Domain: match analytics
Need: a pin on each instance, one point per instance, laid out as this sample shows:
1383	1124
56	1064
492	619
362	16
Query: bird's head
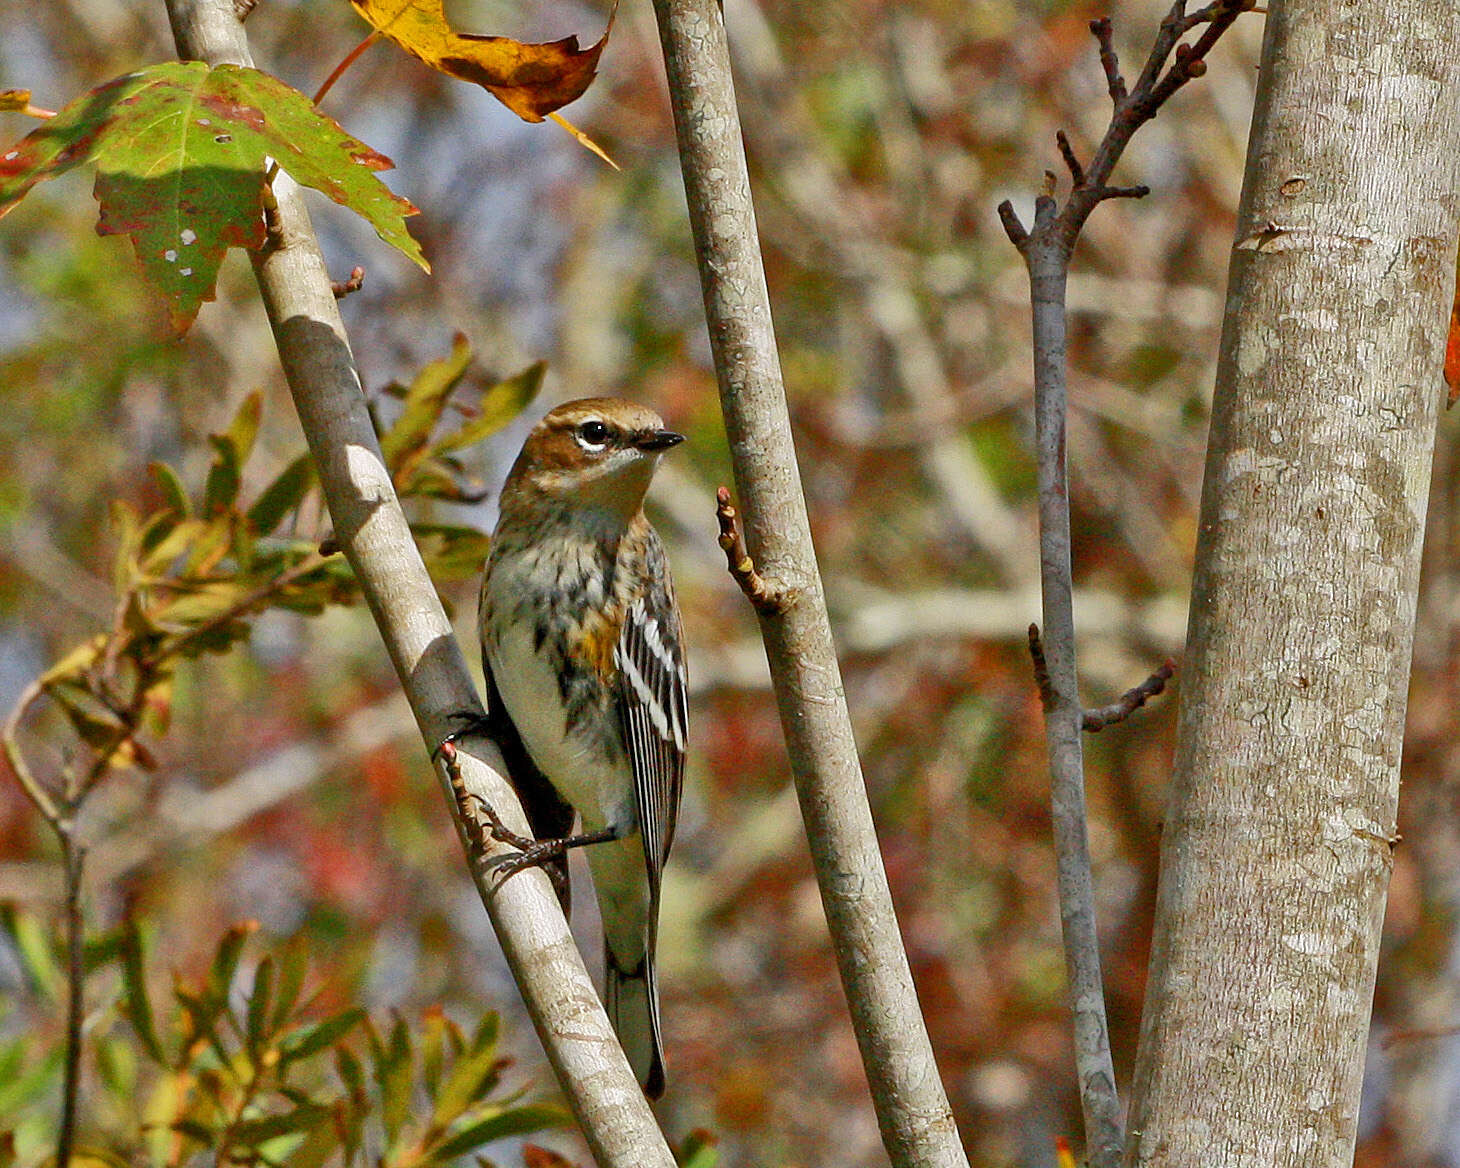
599	452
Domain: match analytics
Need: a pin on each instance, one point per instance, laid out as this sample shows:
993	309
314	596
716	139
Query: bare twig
1130	701
767	598
34	790
59	812
1108	60
1041	667
353	283
1046	248
1093	721
1067	152
73	857
912	1109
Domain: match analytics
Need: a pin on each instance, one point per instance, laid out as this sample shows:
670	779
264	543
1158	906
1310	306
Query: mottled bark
1280	830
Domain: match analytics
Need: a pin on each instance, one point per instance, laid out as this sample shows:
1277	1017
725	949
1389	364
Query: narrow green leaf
282	495
256	1021
470	1080
39	1078
224	476
75	662
350	1072
393	1074
95	723
293	965
135	1002
199	604
174	494
12	1056
516	1121
316	1148
425	477
249	1133
500	404
34	946
128	526
158	558
433	1050
243	431
116	1067
424	402
308	1040
200	1016
195	1130
225	961
487	1033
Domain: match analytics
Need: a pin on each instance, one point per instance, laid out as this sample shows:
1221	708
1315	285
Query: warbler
586	682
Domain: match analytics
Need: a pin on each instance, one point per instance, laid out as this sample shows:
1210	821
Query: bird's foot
532	853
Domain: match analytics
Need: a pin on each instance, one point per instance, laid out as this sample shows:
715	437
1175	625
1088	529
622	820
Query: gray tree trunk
1277	848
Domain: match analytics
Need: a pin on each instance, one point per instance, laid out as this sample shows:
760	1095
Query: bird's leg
534	852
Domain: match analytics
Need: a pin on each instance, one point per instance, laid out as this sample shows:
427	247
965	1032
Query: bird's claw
472	722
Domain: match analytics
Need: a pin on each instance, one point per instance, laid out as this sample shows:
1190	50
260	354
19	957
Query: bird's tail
631	998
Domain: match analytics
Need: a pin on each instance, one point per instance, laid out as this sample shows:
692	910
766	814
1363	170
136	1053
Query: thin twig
1041	667
767	598
72	859
1093	721
1067	152
1046	248
1129	702
10	737
1108	59
355	281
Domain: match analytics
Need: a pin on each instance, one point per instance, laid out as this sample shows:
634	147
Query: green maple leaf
180	151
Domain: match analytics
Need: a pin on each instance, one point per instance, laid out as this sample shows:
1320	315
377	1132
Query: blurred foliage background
292	789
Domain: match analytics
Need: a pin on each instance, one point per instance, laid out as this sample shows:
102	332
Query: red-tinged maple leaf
181	152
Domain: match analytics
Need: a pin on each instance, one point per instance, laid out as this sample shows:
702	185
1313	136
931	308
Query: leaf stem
350	58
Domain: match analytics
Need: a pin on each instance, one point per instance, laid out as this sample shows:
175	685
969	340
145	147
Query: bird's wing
549	815
653	701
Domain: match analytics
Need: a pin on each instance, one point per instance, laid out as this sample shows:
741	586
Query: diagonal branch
372	531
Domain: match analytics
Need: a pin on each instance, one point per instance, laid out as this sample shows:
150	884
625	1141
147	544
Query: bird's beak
656	440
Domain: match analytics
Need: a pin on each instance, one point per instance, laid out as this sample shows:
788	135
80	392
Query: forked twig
1046	246
1094	720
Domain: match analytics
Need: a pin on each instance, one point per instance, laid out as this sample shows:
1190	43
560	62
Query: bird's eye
593	433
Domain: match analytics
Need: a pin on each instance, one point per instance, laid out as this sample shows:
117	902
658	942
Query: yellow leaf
532	80
14	100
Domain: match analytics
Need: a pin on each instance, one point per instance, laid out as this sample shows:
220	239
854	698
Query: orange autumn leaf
532	80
